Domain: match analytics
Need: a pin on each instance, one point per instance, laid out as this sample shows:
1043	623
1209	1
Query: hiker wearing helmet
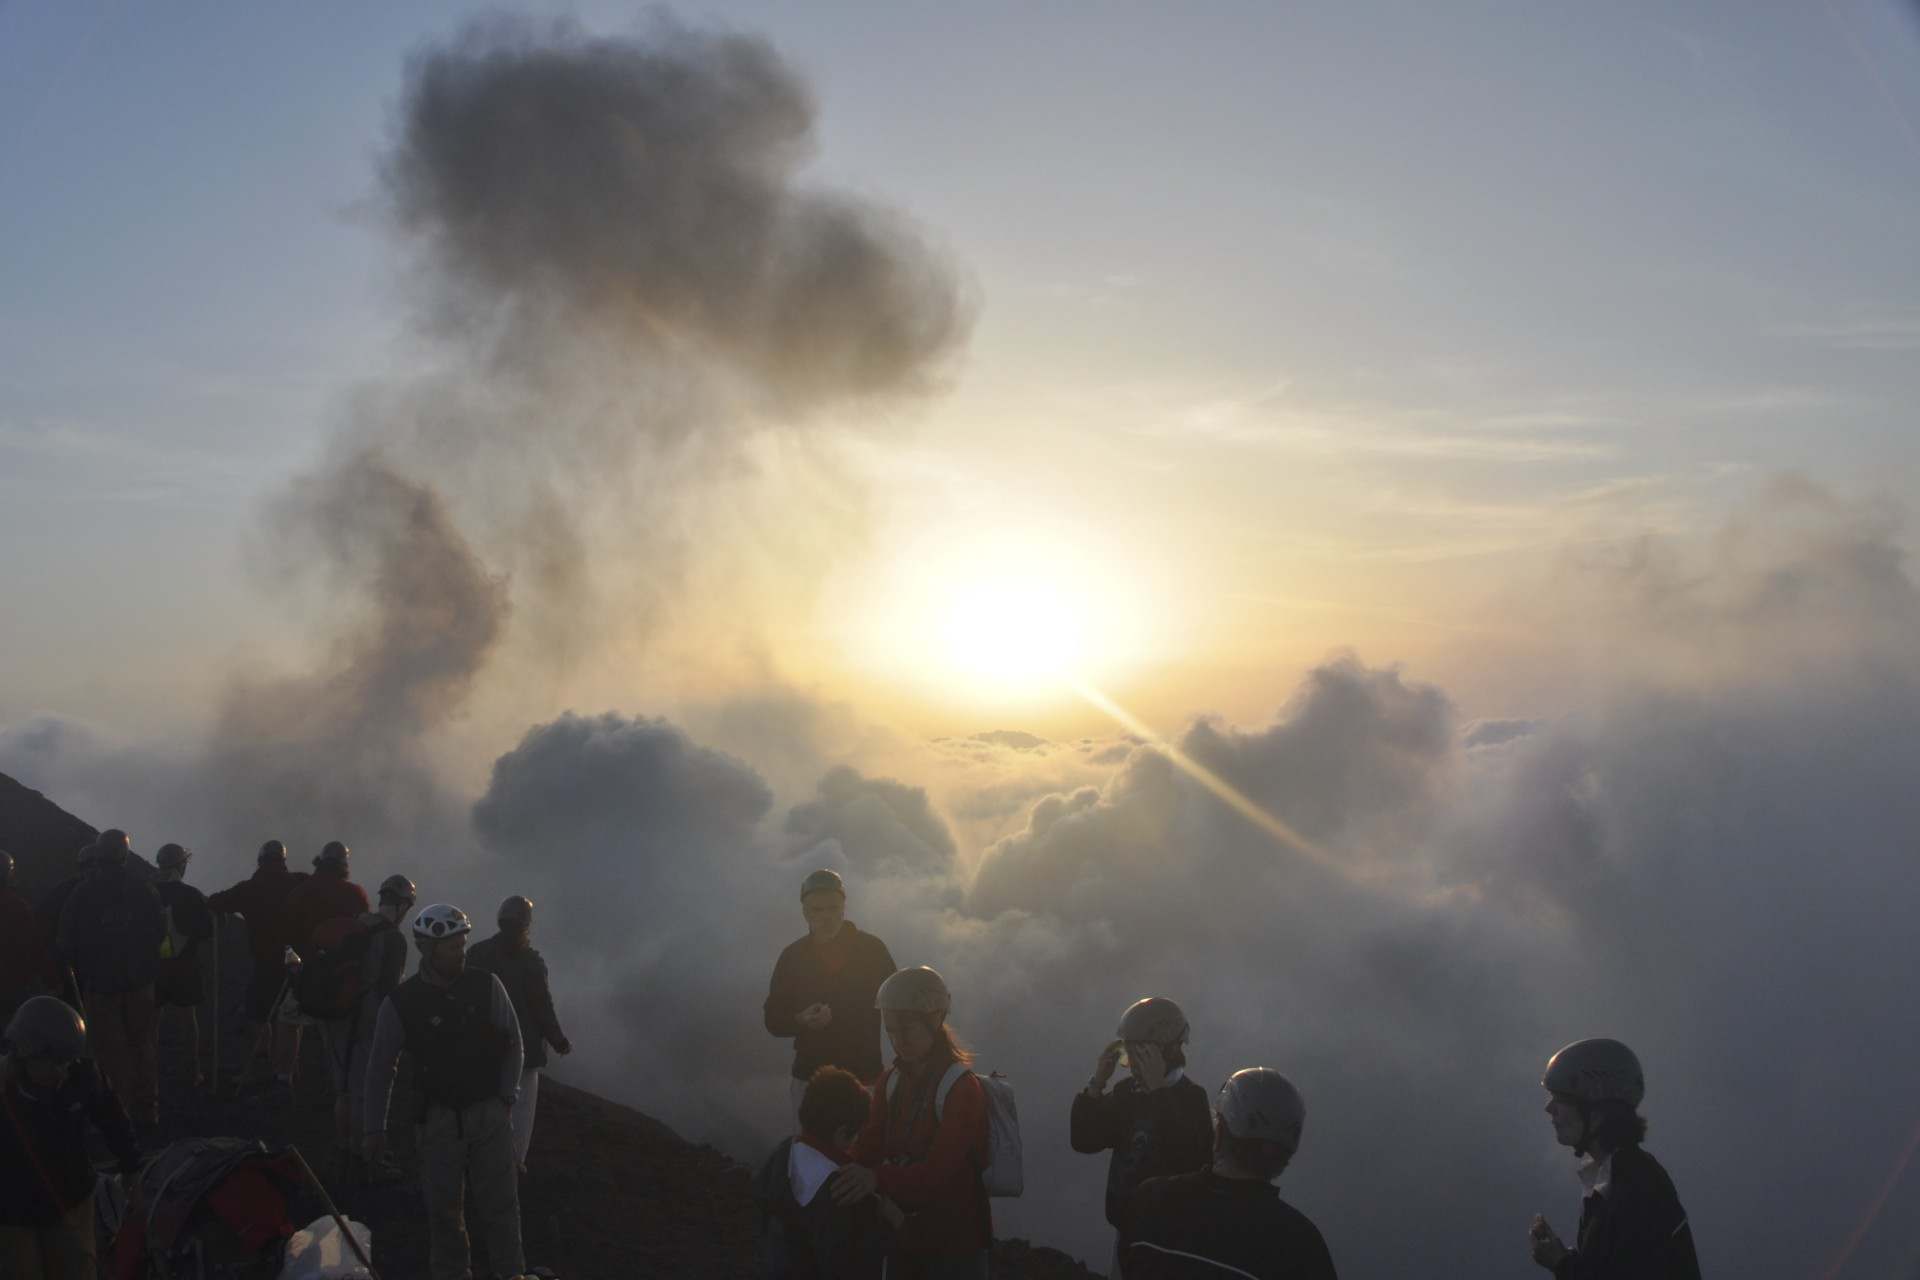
1156	1122
189	922
322	913
110	931
261	900
1631	1221
49	1092
371	956
509	956
920	1150
823	988
26	951
1228	1219
804	1234
456	1024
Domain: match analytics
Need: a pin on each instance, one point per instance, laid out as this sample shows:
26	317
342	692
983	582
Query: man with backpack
111	928
49	1092
1156	1122
456	1024
322	914
509	956
823	987
261	900
189	922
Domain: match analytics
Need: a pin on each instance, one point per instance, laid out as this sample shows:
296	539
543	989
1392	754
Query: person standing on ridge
1157	1123
1228	1219
261	899
1632	1226
509	956
189	922
924	1145
26	947
822	993
457	1026
380	954
49	1091
320	913
110	931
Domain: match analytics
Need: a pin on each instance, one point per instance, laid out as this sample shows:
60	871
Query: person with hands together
823	989
1157	1122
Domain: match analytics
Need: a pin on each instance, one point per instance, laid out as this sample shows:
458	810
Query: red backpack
333	973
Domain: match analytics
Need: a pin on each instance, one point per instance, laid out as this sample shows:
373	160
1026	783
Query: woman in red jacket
926	1138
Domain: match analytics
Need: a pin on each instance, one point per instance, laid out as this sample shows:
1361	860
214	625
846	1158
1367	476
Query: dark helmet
108	848
1591	1071
334	852
516	913
1155	1020
171	856
822	881
6	869
45	1027
397	888
272	851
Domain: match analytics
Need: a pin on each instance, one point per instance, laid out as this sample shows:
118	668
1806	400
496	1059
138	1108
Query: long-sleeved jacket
49	1172
390	1038
110	931
1634	1230
1201	1226
930	1166
26	951
322	896
262	899
523	972
819	1240
1152	1134
844	975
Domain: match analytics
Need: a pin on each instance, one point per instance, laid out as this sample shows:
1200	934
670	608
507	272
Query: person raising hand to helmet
922	1150
1156	1123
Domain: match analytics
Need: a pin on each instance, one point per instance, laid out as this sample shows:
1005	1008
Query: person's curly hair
835	1100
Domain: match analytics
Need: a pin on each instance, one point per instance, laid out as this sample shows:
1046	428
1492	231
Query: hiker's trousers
58	1250
523	1109
470	1151
121	1031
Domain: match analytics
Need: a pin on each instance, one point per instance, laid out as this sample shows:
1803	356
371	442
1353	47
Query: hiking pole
353	1242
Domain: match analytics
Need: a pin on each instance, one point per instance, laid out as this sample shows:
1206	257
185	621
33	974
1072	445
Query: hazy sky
380	460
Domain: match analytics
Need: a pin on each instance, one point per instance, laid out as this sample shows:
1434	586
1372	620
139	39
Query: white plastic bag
321	1253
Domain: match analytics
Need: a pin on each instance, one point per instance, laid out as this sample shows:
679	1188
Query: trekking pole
353	1241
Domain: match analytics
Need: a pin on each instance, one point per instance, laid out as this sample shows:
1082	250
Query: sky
1386	520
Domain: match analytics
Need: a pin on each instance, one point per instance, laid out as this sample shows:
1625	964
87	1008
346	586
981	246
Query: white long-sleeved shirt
390	1038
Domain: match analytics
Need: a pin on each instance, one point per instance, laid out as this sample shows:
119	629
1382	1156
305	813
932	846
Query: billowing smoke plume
628	278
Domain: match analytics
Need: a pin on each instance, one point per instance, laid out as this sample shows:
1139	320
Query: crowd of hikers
890	1172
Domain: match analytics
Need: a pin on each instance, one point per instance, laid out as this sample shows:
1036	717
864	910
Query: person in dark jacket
1228	1219
1156	1123
110	931
329	894
823	988
189	922
26	946
385	965
49	1092
1632	1226
804	1234
261	900
509	956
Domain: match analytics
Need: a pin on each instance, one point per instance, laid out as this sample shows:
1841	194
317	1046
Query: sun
1007	617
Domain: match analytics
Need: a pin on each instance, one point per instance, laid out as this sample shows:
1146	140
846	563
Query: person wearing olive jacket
509	956
823	989
1156	1123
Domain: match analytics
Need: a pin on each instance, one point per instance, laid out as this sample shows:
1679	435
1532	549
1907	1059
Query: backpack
1003	1175
175	943
334	976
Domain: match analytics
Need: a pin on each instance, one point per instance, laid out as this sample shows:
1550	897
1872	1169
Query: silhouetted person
189	922
49	1092
1157	1122
509	956
384	967
110	931
329	897
804	1234
457	1026
261	899
1228	1219
26	946
1632	1226
823	988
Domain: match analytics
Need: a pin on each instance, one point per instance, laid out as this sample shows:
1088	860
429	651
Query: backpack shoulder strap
947	1081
